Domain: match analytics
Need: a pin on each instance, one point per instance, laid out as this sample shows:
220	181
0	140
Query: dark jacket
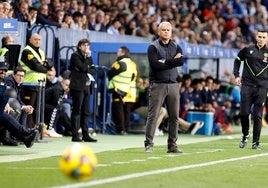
255	70
79	67
18	88
164	72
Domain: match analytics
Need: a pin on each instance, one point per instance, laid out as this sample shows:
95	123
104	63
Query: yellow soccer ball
78	162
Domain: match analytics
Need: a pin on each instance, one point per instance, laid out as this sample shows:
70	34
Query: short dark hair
19	69
125	50
82	41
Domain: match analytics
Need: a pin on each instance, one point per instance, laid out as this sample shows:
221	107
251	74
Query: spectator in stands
122	85
77	23
2	15
185	95
144	31
58	16
32	17
253	87
44	18
34	61
232	94
131	28
82	68
21	11
97	21
113	28
163	85
7	9
68	19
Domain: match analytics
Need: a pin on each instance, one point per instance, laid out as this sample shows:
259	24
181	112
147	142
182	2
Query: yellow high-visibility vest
31	76
132	92
121	82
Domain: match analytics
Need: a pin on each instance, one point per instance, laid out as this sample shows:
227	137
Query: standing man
164	57
34	61
254	84
82	69
122	85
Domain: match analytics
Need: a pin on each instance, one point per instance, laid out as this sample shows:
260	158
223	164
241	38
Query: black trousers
120	113
30	98
61	118
80	112
252	102
9	123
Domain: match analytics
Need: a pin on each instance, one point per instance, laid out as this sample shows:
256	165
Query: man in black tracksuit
164	57
254	84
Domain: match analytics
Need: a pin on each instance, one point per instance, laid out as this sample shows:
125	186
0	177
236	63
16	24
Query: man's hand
28	109
8	109
178	55
238	81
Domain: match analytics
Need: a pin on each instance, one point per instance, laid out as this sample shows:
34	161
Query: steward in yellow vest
122	85
33	60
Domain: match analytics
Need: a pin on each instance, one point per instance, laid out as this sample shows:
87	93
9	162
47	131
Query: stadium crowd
231	24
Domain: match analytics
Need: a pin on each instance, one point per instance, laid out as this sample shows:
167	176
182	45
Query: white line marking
142	174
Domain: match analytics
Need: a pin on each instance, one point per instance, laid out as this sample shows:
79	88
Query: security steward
121	75
254	84
34	61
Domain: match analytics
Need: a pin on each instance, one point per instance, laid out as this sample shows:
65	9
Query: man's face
35	40
65	85
18	77
261	39
84	46
165	31
51	75
120	52
2	73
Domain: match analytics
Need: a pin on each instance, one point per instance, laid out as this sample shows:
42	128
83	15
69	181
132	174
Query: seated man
8	122
15	81
54	114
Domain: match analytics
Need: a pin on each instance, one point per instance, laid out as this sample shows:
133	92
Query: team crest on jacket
265	59
30	56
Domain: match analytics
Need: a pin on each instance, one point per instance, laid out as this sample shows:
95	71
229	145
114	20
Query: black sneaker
89	139
29	139
256	146
174	150
243	142
76	139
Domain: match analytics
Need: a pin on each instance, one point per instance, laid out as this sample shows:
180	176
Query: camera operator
34	61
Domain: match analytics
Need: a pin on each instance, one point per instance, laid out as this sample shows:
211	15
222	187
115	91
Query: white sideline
142	174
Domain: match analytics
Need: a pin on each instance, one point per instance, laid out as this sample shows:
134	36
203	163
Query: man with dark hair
254	85
8	122
15	81
82	68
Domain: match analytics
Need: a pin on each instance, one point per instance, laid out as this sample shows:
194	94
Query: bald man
34	61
